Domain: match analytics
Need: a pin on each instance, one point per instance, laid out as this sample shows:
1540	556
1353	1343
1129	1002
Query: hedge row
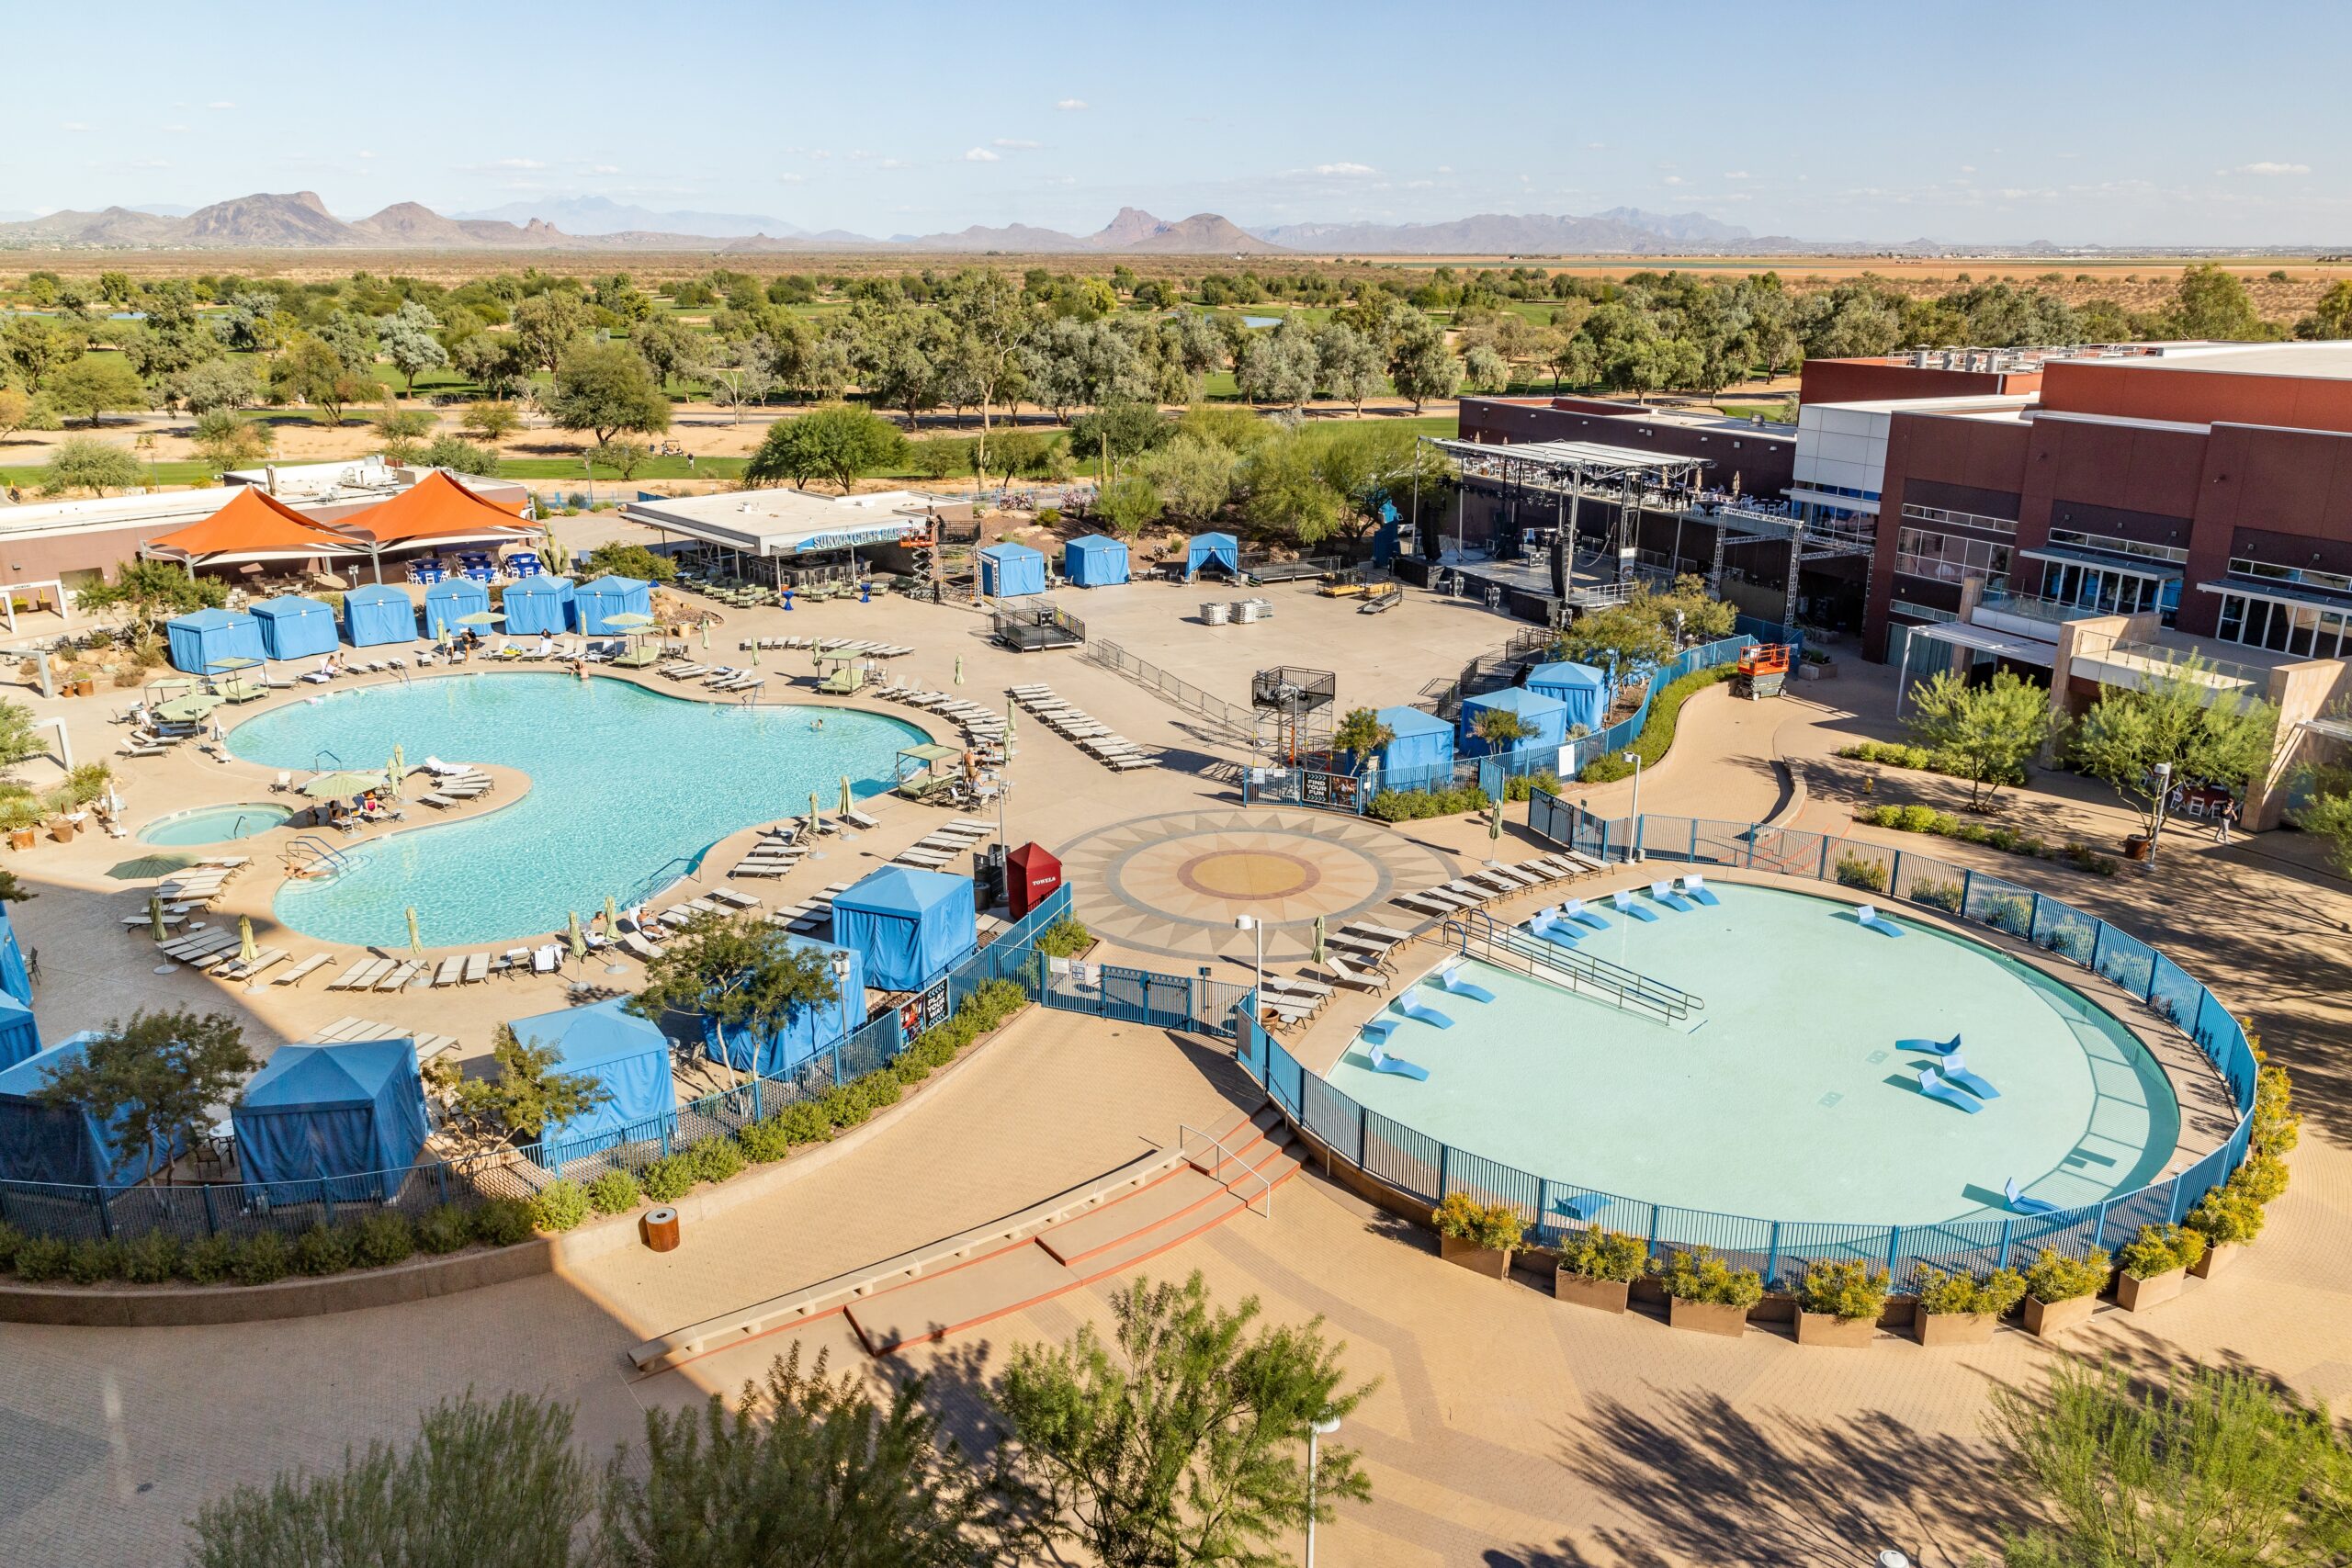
154	1258
1657	730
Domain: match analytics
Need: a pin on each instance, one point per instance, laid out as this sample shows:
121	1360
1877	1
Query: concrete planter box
1935	1328
2134	1294
2046	1318
1707	1317
1601	1295
1493	1262
1828	1328
2216	1259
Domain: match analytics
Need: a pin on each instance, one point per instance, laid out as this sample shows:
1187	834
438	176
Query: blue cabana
909	926
808	1030
447	600
1011	572
15	975
1094	562
1547	716
295	627
200	641
1582	689
19	1035
538	605
1212	550
594	603
628	1058
377	614
61	1144
1422	752
316	1112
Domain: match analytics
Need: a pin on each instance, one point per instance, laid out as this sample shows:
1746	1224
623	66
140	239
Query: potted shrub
2061	1291
20	819
1838	1304
2227	1219
2155	1263
1707	1295
1961	1309
1598	1270
1478	1237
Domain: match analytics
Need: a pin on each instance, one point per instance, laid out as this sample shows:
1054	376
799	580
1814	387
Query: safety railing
1241	722
1477	935
1186	1133
1426	1169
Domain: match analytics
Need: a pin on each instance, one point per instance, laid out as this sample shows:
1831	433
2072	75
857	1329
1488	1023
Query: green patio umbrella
1007	726
576	939
849	801
481	618
145	866
629	620
344	782
247	949
155	916
189	709
1318	938
415	942
959	669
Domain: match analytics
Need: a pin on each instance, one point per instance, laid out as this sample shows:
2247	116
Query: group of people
363	810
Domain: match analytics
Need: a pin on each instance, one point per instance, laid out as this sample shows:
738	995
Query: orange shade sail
435	507
253	524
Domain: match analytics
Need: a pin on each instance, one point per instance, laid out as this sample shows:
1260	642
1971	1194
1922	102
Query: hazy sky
2066	119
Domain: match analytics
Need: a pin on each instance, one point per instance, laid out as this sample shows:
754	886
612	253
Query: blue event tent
909	926
626	1056
295	627
1547	716
1212	550
1011	572
593	603
538	605
200	641
318	1111
1583	689
1422	752
809	1029
1094	562
61	1144
377	614
16	976
447	600
19	1035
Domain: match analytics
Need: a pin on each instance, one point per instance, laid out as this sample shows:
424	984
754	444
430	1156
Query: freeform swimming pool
1790	1101
627	787
214	824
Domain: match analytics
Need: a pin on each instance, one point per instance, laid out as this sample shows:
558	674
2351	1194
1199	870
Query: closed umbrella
415	941
706	636
1318	938
400	761
959	669
246	951
1007	726
155	915
577	940
755	653
813	812
612	920
849	801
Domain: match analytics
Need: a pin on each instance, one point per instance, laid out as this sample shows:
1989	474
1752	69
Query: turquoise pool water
214	824
1789	1101
628	786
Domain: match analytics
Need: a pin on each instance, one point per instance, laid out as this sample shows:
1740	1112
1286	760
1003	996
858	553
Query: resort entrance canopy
1564	473
253	526
436	510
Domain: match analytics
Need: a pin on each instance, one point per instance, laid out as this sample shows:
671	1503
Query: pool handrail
1626	990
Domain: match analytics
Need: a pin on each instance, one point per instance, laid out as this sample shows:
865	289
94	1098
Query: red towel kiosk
1031	875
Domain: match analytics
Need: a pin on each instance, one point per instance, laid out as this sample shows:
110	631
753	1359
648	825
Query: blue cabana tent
321	1111
593	602
1549	716
808	1030
1011	572
450	598
1212	550
1421	753
295	627
909	926
61	1142
19	1035
538	605
200	641
1095	562
1582	689
377	614
628	1058
15	975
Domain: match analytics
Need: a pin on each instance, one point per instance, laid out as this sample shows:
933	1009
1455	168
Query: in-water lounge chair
1868	917
1382	1062
1956	1071
1934	1047
2025	1203
1411	1006
1574	909
1932	1085
1623	900
1696	887
1455	981
1665	893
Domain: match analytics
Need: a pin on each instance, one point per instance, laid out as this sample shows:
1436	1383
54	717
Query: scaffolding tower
1566	475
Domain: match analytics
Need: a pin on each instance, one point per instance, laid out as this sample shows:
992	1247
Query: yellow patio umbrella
959	669
576	939
849	801
415	941
706	636
612	920
246	951
813	813
1008	725
755	653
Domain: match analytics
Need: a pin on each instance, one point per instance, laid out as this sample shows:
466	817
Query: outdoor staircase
1101	1229
1493	671
1237	724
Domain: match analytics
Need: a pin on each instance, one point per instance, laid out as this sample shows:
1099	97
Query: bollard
661	1228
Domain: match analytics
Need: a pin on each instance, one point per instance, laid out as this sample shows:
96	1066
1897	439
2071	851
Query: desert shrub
94	1262
2160	1248
1859	870
669	1178
1848	1289
1700	1275
715	1159
2262	1178
765	1140
151	1258
2055	1277
502	1221
614	1192
209	1259
322	1249
1941	1293
804	1123
560	1206
383	1240
1915	818
1657	730
261	1258
1064	939
1944	896
42	1258
2224	1217
1413	805
1606	1254
1524	786
444	1228
2276	1128
2011	912
1464	1218
11	1238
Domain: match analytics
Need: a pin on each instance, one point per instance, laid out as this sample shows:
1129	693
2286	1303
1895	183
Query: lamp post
2164	798
1252	924
1634	841
1316	1432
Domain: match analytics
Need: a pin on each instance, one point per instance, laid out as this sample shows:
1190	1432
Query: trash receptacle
661	1228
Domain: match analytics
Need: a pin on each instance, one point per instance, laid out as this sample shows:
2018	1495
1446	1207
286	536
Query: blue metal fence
1426	1169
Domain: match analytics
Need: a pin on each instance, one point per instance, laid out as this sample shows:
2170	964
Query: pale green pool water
1790	1102
214	824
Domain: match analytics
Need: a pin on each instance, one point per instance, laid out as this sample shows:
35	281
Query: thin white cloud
1015	145
1736	174
2267	167
74	125
1674	180
1968	168
603	168
791	179
221	104
176	129
982	155
1073	105
894	164
518	163
1344	169
1061	179
364	152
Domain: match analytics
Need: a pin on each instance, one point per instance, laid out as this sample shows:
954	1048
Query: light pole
1634	841
1252	924
1316	1432
2164	798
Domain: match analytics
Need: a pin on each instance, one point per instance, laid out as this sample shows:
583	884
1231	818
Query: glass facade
2109	591
1948	557
2305	630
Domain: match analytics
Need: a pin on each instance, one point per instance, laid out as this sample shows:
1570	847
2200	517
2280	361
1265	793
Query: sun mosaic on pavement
1174	885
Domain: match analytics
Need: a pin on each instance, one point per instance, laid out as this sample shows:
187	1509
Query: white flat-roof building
783	523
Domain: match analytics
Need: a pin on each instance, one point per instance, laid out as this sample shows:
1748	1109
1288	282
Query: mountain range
300	221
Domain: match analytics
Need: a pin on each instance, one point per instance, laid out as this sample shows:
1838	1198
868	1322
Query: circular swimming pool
627	788
215	824
1790	1094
